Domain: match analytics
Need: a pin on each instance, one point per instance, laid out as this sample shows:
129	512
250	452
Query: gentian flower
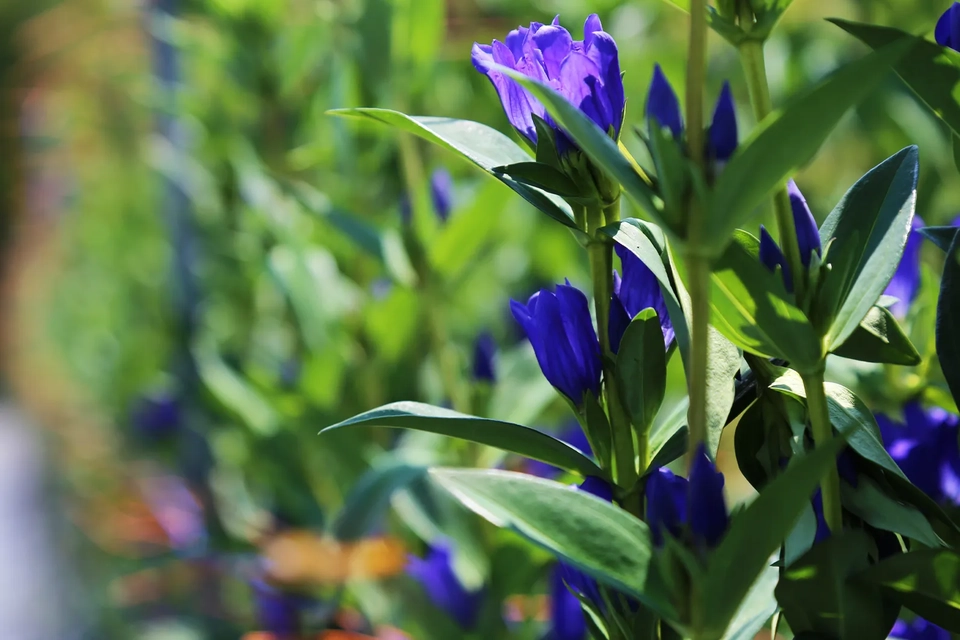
724	138
567	619
573	435
636	291
158	415
586	72
436	575
484	351
441	193
808	238
905	283
695	505
948	28
278	612
918	629
561	332
663	106
925	446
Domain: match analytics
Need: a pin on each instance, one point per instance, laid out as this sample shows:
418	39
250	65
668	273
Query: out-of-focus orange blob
521	608
303	557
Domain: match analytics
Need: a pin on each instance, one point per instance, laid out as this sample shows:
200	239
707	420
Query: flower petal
663	107
554	43
808	236
603	51
947	32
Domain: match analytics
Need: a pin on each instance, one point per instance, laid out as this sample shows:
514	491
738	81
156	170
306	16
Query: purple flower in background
905	283
567	619
484	352
406	210
925	447
695	503
441	192
724	136
561	332
918	629
573	435
158	415
808	238
436	575
639	289
278	612
948	28
586	72
663	106
178	512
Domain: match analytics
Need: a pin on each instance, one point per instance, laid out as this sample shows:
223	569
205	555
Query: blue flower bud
666	497
639	289
561	332
484	351
663	107
441	192
771	257
586	72
723	131
948	28
707	510
439	581
808	236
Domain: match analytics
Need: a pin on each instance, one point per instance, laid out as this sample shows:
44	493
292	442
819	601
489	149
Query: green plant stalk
754	68
600	252
698	269
822	432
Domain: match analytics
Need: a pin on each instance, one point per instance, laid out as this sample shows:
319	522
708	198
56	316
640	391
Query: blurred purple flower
586	72
436	575
484	354
905	283
567	619
724	136
278	612
441	192
948	28
157	415
561	332
918	629
639	289
925	446
178	512
696	504
808	237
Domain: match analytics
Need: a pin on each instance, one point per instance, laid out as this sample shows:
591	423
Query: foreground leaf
948	319
494	433
879	338
597	537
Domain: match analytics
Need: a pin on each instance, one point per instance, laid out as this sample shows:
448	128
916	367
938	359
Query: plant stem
698	269
822	432
696	76
600	252
754	68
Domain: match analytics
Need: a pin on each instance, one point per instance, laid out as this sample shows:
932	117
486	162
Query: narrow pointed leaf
879	338
948	319
642	369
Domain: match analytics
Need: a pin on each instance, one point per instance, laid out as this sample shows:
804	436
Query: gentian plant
835	547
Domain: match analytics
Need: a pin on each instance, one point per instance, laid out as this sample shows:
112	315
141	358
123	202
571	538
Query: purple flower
808	237
636	291
441	192
918	629
573	435
948	28
158	415
586	72
435	574
905	283
925	446
178	512
484	352
278	612
695	505
563	338
567	619
663	107
724	136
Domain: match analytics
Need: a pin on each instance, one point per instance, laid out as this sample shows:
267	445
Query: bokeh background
201	269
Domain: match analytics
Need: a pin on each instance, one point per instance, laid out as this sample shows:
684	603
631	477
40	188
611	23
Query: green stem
823	432
754	67
699	272
600	252
696	76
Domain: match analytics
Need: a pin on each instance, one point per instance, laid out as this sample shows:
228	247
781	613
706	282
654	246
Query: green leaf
879	338
756	533
642	369
926	581
751	307
494	433
594	142
931	71
948	319
465	235
540	176
232	391
485	147
595	536
869	503
669	449
787	140
818	596
940	236
370	497
869	228
756	609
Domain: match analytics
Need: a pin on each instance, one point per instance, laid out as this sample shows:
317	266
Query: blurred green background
201	269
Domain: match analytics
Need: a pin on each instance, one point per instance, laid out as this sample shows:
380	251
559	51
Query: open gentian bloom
637	290
484	352
443	587
918	629
948	28
563	338
925	447
694	504
808	238
586	72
